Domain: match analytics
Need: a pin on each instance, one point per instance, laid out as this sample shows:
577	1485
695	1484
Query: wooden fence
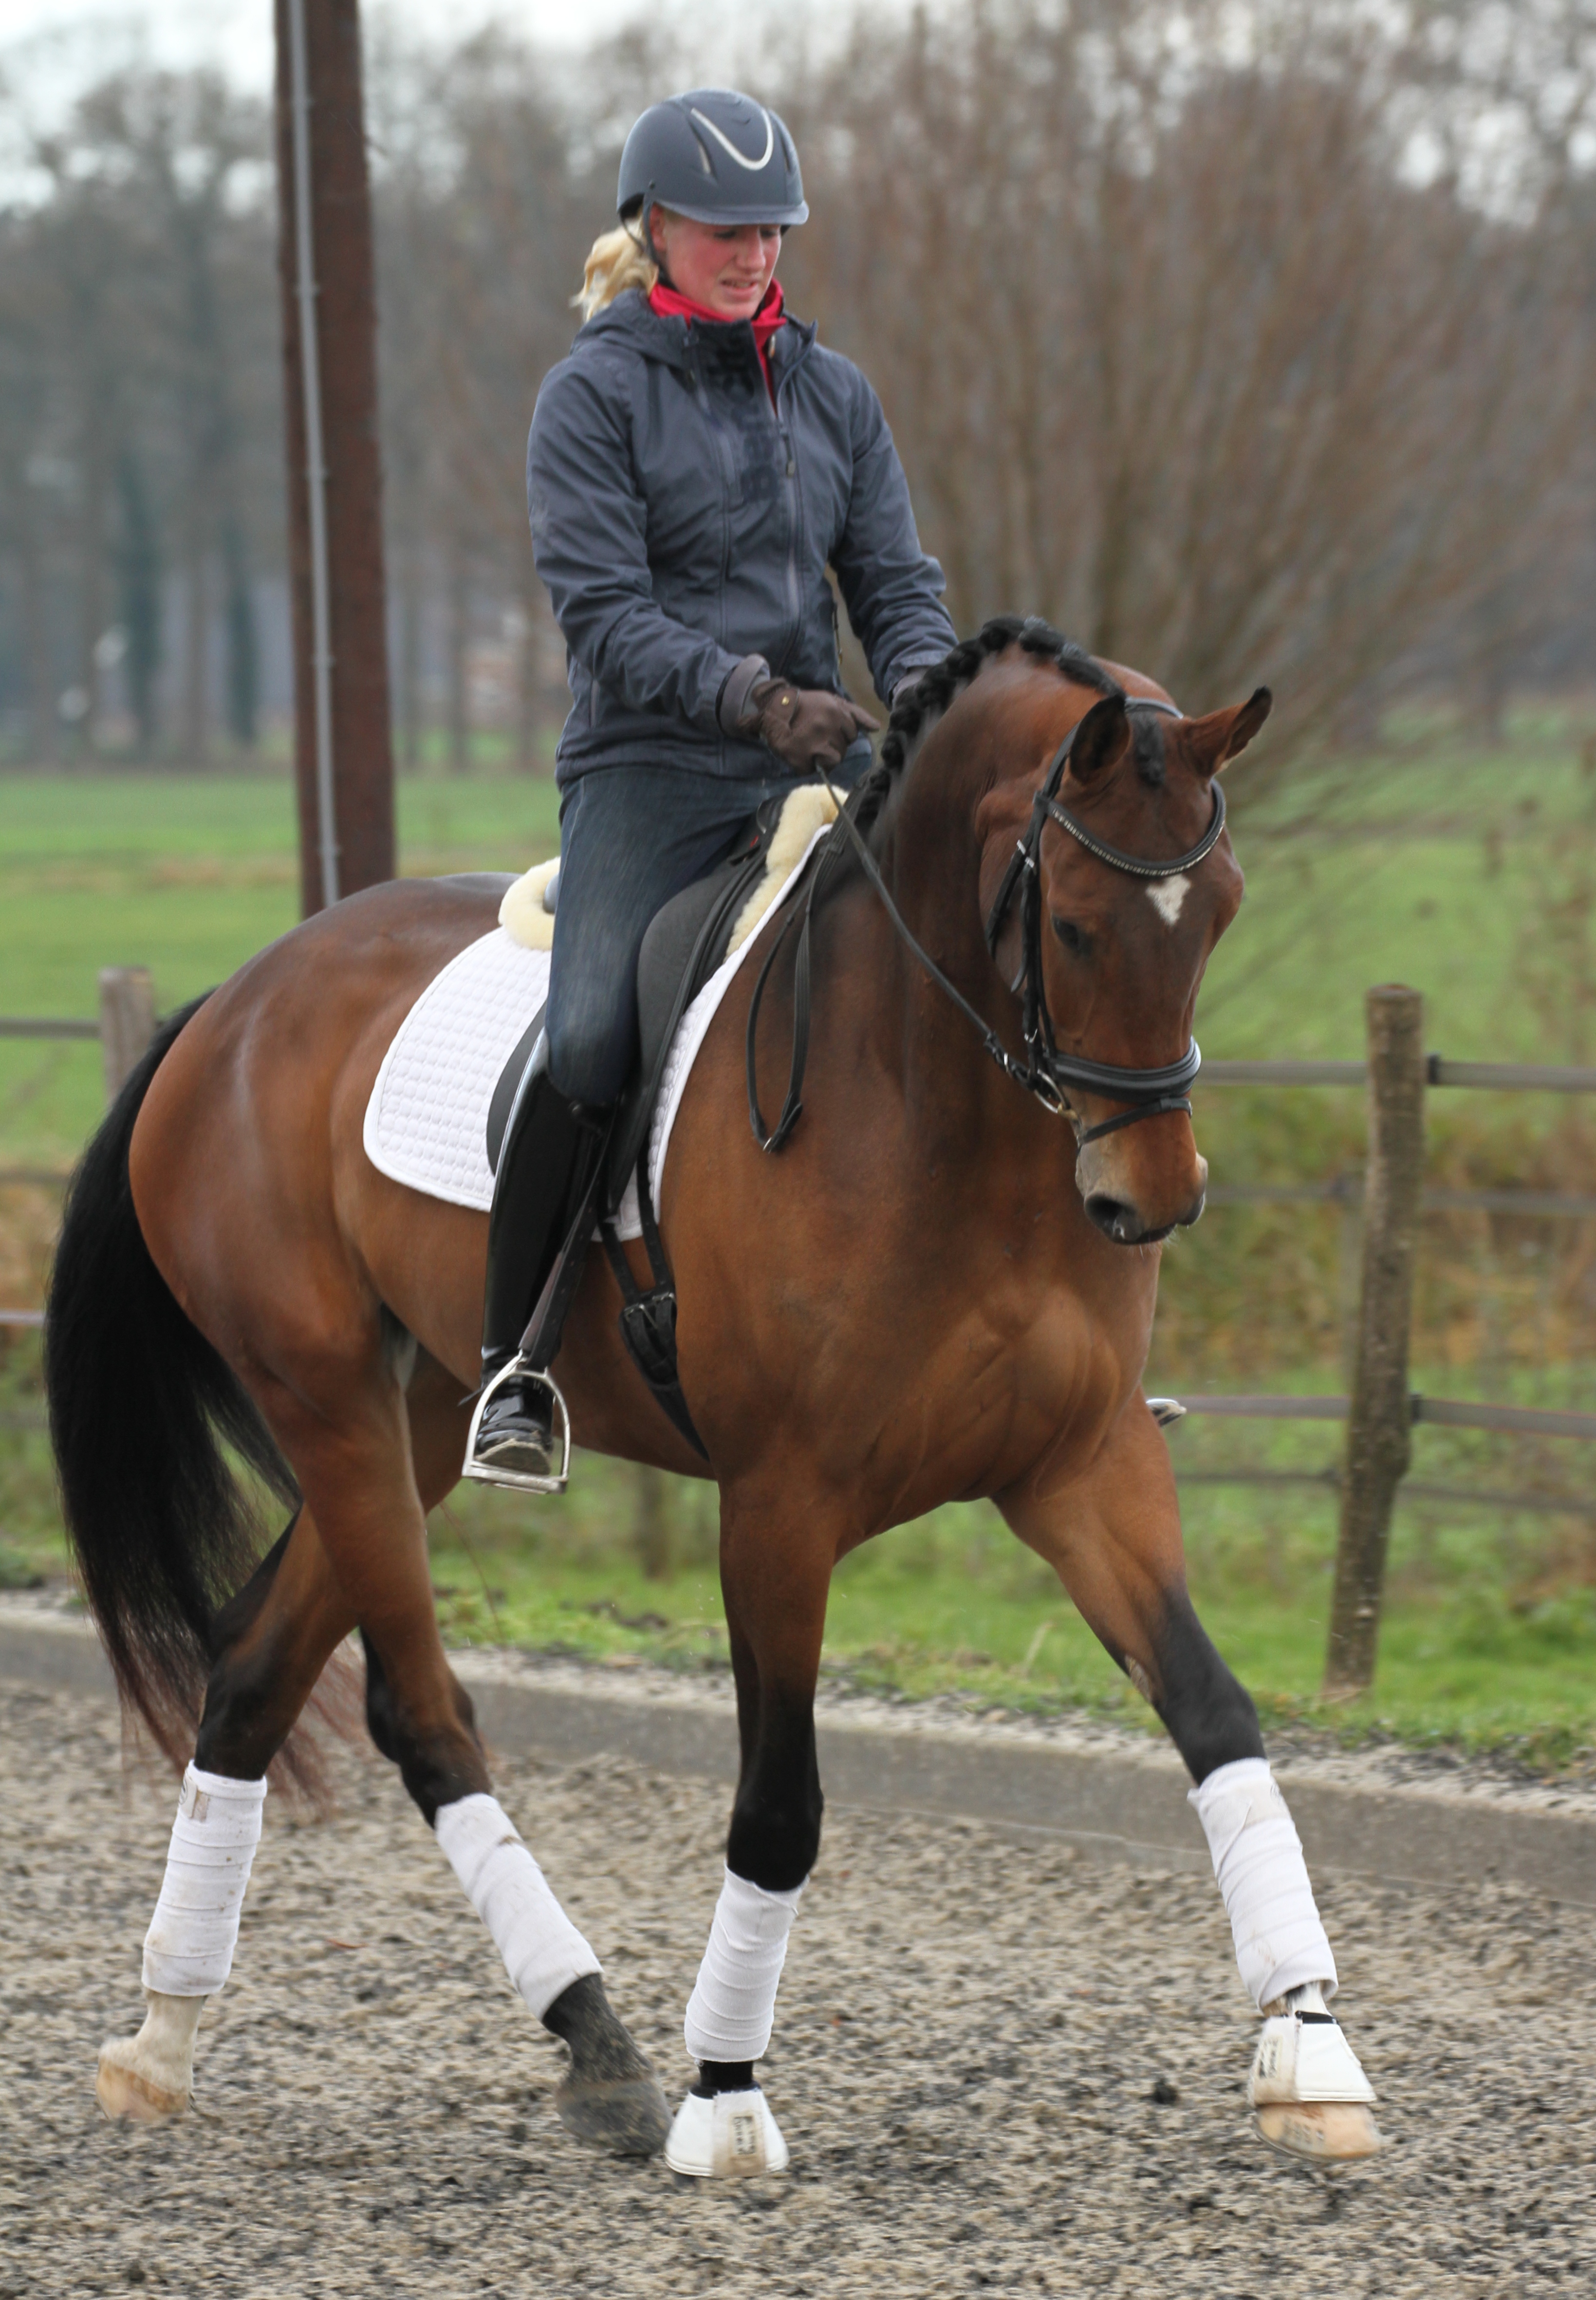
1379	1412
126	1025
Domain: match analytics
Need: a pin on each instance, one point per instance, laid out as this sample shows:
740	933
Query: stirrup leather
521	1480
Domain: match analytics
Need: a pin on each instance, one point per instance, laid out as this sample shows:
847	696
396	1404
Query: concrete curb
1110	1805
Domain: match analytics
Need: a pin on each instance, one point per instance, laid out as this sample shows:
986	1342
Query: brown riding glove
807	727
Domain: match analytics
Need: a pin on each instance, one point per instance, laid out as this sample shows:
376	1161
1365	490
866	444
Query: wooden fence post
1380	1419
126	1021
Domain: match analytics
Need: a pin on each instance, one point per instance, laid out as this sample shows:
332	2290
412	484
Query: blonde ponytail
616	260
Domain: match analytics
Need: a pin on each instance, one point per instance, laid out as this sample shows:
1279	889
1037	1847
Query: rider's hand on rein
807	727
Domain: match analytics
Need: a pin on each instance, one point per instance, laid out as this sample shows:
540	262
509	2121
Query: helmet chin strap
649	249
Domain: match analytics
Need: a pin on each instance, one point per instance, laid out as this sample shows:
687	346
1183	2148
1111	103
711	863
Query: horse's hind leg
775	1594
1114	1540
272	1642
421	1718
371	1570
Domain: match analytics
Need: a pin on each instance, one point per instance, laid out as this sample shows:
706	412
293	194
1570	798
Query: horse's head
1117	956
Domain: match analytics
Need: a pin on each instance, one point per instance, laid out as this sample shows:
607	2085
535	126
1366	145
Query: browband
1133	864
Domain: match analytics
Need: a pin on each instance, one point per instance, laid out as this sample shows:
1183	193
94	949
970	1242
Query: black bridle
1047	1073
1044	1071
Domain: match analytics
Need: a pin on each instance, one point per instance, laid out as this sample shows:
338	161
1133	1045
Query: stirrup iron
523	1481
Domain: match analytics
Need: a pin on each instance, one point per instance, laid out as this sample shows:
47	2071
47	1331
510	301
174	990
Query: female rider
694	465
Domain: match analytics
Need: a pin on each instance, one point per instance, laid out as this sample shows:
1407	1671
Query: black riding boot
547	1172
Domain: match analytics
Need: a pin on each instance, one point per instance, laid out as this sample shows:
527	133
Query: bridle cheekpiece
1047	1072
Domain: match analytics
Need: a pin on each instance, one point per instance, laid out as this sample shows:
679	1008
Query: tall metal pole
343	759
316	464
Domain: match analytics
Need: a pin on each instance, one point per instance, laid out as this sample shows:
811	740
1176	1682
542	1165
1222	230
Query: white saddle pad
426	1123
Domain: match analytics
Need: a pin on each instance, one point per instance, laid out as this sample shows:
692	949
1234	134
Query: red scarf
671	304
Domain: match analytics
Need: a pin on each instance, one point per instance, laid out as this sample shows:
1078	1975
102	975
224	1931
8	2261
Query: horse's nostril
1116	1219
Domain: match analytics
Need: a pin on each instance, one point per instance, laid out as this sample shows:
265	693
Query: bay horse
943	1288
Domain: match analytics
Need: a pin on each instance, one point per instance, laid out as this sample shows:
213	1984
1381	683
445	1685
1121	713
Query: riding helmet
713	156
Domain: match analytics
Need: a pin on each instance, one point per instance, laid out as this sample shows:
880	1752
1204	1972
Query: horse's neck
973	1165
932	865
930	862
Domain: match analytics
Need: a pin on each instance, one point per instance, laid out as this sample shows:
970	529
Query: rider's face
725	267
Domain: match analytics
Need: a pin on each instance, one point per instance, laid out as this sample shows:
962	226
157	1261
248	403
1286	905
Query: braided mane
936	688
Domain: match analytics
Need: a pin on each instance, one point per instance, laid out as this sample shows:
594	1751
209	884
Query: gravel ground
998	2067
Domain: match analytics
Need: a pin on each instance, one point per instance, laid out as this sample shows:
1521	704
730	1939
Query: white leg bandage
733	2003
1258	1861
189	1949
543	1951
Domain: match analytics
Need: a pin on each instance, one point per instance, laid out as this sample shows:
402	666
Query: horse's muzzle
1126	1225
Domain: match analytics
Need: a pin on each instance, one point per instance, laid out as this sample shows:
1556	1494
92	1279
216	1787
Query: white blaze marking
1166	896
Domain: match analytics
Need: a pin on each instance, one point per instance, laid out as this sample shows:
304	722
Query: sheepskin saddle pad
436	1112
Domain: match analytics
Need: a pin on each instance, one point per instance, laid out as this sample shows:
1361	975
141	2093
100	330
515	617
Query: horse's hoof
728	2137
127	2096
629	2118
611	2097
1309	2091
1320	2131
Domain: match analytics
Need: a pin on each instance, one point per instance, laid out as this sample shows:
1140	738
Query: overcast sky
52	46
237	33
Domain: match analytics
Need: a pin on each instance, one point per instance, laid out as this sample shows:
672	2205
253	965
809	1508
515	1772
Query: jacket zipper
790	457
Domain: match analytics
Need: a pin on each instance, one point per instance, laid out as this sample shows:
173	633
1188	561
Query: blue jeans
630	838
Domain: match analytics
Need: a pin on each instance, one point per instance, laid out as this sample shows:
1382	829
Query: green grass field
1426	870
1466	874
188	876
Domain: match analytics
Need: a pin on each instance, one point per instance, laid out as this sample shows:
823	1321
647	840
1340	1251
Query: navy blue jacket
683	524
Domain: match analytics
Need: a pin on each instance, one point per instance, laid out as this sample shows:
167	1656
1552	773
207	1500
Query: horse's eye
1077	943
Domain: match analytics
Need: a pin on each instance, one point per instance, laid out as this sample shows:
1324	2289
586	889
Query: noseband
1045	1073
1049	1073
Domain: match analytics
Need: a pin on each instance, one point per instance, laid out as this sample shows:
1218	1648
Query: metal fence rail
1414	1489
1347	1190
1449	1412
1498	1078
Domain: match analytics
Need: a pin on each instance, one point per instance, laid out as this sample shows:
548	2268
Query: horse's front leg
1114	1539
775	1572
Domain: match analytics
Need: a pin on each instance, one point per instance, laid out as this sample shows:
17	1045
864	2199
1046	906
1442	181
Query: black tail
141	1409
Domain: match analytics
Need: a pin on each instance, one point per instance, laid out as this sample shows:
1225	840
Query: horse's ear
1211	743
1101	740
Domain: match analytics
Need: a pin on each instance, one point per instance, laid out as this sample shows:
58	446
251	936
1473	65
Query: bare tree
1245	344
504	215
1182	355
137	279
